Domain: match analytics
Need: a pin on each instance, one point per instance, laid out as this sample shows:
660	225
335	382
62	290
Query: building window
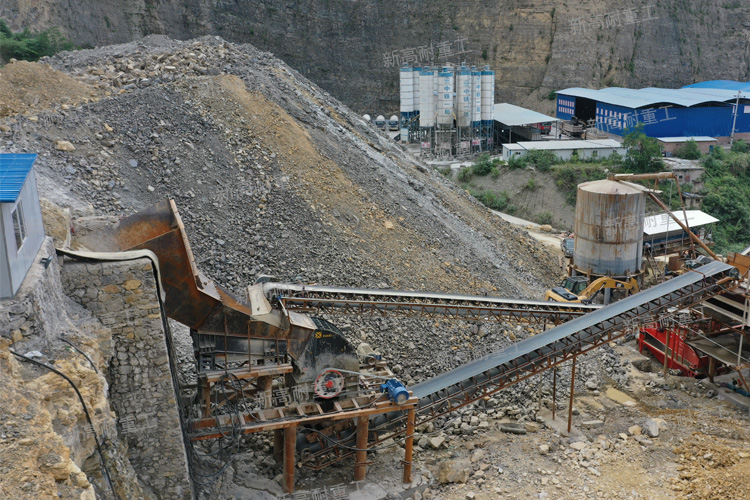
19	225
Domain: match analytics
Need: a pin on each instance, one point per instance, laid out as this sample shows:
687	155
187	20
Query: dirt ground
31	87
530	201
701	451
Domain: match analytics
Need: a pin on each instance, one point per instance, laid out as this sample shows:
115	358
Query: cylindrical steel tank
488	94
445	98
415	82
476	97
427	98
609	228
463	98
407	89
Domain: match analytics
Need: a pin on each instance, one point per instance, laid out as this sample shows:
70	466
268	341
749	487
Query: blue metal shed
21	227
721	84
689	111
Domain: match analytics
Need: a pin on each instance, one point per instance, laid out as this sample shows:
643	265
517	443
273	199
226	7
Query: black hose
85	410
80	352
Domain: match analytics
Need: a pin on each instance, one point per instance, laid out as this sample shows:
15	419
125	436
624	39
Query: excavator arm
631	285
562	294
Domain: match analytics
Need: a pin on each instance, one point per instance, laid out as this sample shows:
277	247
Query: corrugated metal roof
662	223
512	115
638	98
552	145
720	84
14	168
697	138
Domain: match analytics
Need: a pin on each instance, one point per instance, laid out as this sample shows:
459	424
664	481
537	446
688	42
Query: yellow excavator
578	289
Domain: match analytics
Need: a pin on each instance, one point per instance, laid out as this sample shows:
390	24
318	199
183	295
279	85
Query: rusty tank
609	228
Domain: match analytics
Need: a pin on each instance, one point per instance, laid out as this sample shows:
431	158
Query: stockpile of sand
33	87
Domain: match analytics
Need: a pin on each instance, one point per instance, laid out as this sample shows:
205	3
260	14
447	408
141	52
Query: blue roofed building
701	109
721	84
21	227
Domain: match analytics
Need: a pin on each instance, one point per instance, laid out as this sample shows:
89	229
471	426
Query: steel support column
666	355
572	390
265	384
409	444
290	443
278	444
360	457
554	391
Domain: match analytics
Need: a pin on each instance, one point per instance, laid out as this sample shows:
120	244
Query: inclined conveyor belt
475	379
449	391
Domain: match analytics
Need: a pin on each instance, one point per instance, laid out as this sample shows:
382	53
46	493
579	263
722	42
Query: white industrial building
661	230
21	227
565	150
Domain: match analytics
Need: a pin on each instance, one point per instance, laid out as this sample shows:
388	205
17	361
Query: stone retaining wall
123	295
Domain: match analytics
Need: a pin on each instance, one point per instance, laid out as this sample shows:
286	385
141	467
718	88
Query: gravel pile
274	176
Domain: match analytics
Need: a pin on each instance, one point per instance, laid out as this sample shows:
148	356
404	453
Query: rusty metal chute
191	298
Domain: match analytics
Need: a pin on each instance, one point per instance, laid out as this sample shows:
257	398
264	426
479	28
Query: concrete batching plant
447	110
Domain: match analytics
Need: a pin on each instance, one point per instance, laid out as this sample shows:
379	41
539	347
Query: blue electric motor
396	391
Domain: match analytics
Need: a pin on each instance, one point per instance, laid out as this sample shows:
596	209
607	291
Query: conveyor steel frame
713	279
422	305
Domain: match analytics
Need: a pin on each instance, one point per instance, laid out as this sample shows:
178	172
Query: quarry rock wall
353	48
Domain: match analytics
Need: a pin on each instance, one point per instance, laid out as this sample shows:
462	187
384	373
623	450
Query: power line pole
734	121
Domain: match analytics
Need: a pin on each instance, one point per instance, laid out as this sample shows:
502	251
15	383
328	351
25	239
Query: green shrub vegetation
727	197
492	200
689	150
445	171
568	176
644	153
30	46
544	218
542	160
465	174
483	165
740	146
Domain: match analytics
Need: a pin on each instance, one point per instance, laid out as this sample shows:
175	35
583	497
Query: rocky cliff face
346	46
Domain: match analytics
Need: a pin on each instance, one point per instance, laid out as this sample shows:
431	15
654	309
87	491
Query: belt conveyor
426	305
471	381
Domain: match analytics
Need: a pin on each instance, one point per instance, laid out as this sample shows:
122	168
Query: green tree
30	46
727	200
740	146
542	160
483	165
689	150
644	153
